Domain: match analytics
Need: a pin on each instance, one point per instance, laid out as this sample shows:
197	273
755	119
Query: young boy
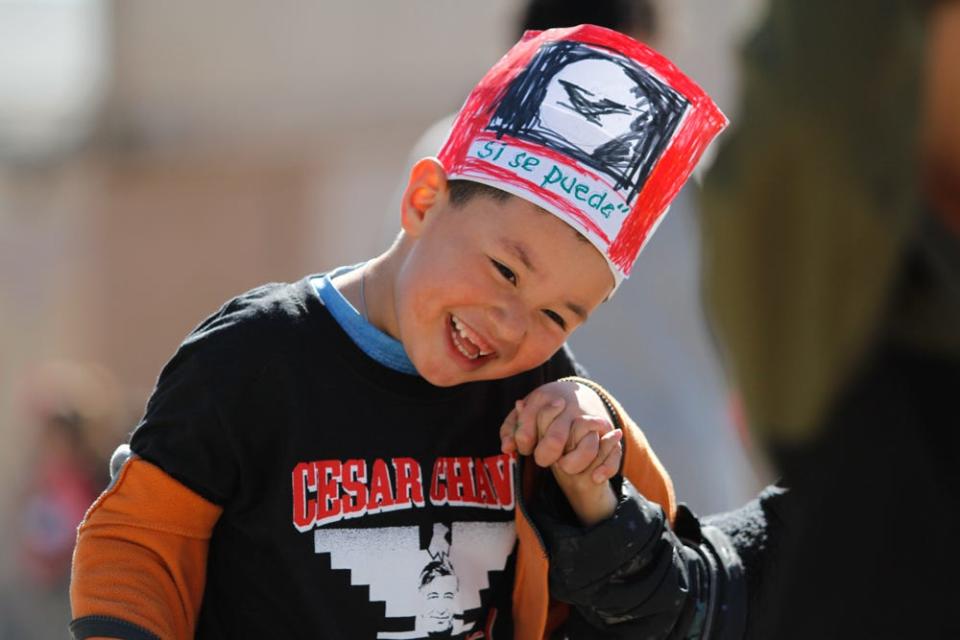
313	447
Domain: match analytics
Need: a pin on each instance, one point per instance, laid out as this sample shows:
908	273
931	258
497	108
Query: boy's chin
454	378
451	377
449	380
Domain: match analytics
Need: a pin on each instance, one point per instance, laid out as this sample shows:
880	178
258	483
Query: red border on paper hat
701	122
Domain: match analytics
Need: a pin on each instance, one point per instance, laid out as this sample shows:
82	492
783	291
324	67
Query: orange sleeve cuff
141	553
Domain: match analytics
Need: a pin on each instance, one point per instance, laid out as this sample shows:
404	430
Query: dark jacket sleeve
632	576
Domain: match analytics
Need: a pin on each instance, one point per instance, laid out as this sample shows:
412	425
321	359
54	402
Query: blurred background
159	158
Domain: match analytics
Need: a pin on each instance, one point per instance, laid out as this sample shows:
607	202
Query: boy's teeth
464	342
464	352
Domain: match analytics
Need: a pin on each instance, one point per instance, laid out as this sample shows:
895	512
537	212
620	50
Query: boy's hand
562	423
566	427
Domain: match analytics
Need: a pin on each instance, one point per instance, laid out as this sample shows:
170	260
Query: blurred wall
234	143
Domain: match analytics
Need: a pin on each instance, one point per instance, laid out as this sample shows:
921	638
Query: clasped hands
565	426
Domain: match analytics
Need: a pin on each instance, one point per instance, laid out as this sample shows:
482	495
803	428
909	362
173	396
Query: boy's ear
427	185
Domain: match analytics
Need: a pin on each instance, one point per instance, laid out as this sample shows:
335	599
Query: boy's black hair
463	191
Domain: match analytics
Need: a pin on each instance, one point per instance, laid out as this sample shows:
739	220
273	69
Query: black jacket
631	576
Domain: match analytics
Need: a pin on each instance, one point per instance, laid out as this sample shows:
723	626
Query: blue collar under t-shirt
373	342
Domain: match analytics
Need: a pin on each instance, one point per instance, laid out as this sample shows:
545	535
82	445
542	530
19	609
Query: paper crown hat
589	124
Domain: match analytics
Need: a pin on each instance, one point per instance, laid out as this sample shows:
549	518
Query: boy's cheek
522	363
539	348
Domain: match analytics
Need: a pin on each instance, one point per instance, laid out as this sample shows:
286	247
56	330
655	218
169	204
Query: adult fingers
525	433
580	454
528	430
508	443
586	424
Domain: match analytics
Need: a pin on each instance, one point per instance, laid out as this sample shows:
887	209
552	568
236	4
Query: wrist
591	502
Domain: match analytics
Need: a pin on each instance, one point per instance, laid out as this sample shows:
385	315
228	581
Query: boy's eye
556	317
505	271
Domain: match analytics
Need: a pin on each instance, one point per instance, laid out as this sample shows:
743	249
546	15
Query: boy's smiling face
490	288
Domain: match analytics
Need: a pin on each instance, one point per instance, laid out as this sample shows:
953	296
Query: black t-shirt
358	502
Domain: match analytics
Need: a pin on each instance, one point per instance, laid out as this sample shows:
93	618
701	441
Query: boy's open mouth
467	341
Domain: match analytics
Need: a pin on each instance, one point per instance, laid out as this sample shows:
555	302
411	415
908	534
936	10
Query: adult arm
651	570
634	575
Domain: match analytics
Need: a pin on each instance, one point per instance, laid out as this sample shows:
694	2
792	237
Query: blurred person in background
650	344
72	411
831	229
64	480
833	276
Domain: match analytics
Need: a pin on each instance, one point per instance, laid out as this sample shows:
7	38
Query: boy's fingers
547	414
584	425
525	432
553	432
609	457
582	455
508	443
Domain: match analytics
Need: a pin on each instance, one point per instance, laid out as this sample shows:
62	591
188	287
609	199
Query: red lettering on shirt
500	468
304	507
327	491
328	488
465	482
485	493
381	490
409	482
354	488
438	483
460	481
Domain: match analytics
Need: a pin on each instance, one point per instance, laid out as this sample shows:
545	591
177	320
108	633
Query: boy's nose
510	318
